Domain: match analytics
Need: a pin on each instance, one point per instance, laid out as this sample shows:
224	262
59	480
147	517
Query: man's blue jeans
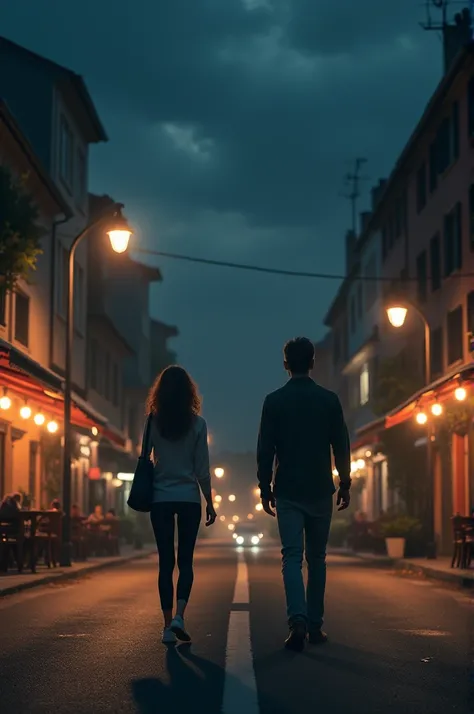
304	530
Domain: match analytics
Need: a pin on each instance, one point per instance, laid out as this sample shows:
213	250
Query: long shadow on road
195	684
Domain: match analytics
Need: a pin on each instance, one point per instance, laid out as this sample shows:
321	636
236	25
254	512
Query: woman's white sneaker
178	628
169	638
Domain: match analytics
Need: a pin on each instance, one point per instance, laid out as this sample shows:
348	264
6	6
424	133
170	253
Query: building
418	243
161	354
57	119
31	406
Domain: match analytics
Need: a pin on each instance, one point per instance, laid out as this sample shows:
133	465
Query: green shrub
399	527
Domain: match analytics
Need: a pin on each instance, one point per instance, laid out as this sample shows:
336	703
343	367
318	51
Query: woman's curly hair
174	402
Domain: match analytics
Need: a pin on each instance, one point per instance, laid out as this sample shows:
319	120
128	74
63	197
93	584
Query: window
370	290
62	264
359	301
470	107
471	216
22	318
66	163
78	298
107	376
455	132
433	167
384	243
443	142
436	348
94	363
421	276
3	304
364	384
81	180
115	385
435	261
453	240
353	314
455	335
421	188
470	312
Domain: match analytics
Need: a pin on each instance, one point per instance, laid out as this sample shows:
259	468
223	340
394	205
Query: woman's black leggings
163	522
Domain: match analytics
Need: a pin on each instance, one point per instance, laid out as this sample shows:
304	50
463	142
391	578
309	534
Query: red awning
29	388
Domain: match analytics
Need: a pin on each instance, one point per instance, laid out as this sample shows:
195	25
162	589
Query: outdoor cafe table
28	530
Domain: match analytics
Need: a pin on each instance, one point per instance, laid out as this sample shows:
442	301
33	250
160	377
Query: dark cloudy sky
231	125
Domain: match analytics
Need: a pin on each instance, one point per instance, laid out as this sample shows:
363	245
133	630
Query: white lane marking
240	687
241	591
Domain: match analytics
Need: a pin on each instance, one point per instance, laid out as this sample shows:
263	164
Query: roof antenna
352	182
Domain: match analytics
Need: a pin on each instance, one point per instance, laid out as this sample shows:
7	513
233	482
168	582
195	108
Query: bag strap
146	446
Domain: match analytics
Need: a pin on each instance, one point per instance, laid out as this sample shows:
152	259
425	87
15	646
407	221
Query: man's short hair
299	355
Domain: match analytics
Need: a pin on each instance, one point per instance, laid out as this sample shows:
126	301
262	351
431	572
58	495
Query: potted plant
396	530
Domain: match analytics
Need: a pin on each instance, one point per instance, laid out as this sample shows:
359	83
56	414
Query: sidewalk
13	581
439	569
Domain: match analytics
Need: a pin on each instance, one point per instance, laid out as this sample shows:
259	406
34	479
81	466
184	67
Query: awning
438	391
31	381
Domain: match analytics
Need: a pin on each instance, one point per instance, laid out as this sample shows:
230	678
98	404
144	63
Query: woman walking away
181	470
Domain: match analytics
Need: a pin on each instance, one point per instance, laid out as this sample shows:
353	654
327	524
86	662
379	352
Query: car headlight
255	540
239	540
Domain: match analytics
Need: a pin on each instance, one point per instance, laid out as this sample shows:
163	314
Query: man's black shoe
297	637
317	638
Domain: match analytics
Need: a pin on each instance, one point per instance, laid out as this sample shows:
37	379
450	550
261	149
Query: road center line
240	687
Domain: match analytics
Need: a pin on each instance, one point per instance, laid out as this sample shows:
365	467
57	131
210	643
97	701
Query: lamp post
119	234
396	314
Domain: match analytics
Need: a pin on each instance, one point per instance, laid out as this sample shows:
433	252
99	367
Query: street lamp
119	234
396	313
219	472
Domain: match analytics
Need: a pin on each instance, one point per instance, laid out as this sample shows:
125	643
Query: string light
421	418
436	409
52	427
39	419
460	394
25	412
5	403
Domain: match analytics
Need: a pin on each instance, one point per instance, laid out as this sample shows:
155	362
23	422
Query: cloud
232	124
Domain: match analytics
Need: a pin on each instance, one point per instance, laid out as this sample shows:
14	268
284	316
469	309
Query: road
93	646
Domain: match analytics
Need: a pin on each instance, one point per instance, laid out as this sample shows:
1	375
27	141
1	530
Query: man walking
299	425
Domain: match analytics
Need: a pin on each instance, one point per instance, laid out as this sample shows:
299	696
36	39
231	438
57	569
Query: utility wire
281	271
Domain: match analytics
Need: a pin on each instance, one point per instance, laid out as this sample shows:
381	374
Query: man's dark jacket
299	425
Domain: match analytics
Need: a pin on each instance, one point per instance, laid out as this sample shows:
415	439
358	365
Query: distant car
247	534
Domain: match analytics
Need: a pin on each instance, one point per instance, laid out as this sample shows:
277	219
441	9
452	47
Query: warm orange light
397	315
231	498
39	419
235	519
436	409
231	526
218	499
25	412
250	516
222	518
219	472
94	431
460	394
119	240
259	507
421	418
52	427
5	403
216	505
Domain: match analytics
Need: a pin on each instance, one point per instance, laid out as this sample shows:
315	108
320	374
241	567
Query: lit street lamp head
397	315
120	232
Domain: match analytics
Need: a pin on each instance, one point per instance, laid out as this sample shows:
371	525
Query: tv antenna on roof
352	182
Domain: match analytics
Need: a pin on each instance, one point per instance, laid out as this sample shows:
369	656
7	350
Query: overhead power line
282	271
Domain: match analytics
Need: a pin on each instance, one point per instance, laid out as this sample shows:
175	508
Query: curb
465	580
73	574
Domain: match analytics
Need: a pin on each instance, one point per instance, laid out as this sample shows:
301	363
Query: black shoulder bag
141	493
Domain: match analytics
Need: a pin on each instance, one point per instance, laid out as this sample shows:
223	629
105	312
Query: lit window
364	384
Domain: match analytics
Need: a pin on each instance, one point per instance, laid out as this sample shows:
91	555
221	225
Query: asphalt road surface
93	646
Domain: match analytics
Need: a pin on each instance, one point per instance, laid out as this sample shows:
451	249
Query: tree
20	233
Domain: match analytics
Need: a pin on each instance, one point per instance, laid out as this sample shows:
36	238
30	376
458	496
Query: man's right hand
343	498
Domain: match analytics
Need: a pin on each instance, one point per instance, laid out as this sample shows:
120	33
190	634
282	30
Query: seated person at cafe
111	515
55	505
97	516
75	511
10	505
